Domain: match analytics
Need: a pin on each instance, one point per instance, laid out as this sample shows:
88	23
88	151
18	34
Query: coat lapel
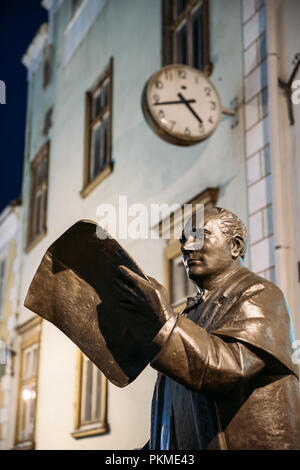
209	313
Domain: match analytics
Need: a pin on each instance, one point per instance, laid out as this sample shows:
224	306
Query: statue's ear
237	246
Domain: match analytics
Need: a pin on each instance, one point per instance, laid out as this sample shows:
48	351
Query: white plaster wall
10	230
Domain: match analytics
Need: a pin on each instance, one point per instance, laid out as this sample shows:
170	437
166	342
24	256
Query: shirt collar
199	297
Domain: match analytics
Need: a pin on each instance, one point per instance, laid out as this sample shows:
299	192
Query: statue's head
224	243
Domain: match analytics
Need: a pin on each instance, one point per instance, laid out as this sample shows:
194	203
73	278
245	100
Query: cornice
32	54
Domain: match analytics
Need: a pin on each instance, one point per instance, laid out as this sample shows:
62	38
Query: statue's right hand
145	301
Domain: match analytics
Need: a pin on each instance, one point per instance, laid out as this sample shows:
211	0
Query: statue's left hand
145	302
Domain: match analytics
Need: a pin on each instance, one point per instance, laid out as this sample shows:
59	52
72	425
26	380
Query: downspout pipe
282	210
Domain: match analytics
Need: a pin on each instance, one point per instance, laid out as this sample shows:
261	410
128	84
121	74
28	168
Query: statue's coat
226	377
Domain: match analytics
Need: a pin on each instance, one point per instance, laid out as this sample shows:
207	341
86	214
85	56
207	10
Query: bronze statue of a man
226	379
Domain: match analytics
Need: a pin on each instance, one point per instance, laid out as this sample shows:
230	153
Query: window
2	282
177	282
48	65
186	33
47	122
90	415
175	278
182	287
38	201
98	132
27	395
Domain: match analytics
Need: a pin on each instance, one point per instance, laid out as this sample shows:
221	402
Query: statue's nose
191	245
187	247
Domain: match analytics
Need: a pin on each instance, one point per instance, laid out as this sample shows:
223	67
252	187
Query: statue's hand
145	302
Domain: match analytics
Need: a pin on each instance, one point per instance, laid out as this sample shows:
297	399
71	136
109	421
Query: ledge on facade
51	5
9	218
47	4
33	51
10	209
24	445
90	430
167	225
15	202
80	25
34	322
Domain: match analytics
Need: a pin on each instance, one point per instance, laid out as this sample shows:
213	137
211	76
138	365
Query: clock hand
187	103
173	102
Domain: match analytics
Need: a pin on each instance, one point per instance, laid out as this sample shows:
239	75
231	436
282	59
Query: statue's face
214	257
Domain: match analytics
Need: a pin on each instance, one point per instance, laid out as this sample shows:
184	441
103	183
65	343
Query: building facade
88	143
10	269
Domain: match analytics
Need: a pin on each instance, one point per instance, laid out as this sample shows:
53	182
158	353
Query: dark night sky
19	21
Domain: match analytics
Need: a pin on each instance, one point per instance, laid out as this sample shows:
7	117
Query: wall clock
181	104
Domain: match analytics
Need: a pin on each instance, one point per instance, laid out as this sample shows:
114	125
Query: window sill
99	178
90	430
34	242
24	445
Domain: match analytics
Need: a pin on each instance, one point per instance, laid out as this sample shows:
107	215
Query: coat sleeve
202	361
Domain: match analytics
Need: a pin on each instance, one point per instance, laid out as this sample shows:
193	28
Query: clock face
181	104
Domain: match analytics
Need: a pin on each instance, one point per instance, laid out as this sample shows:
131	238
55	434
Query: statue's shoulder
252	283
259	317
244	283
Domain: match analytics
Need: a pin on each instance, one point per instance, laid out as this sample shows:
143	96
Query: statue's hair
231	225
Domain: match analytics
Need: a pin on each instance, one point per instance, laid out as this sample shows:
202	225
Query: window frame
43	153
48	65
30	334
169	27
90	184
94	427
178	260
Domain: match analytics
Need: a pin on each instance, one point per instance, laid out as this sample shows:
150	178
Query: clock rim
155	125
